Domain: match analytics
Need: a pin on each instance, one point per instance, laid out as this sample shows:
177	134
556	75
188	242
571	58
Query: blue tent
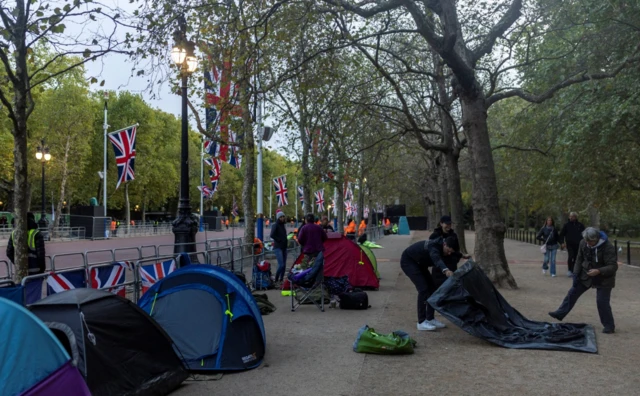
33	360
211	317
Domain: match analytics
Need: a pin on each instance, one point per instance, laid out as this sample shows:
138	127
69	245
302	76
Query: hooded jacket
602	257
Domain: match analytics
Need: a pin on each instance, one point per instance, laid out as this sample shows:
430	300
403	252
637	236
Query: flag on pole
301	195
212	148
214	172
348	194
280	184
234	211
206	191
234	152
348	208
124	146
320	200
366	212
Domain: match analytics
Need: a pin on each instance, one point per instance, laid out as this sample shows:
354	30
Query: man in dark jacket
572	235
415	263
312	238
35	247
280	242
444	230
596	267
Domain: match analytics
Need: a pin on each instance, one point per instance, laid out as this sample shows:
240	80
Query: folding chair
306	282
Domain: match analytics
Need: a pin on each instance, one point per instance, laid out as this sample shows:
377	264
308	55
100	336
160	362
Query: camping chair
307	282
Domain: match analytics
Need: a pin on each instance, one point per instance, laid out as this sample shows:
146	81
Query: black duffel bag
354	300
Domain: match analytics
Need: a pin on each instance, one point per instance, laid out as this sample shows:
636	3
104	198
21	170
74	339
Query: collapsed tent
33	360
343	257
211	316
120	350
469	300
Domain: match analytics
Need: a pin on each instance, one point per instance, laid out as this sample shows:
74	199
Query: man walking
595	267
280	242
572	235
415	263
35	247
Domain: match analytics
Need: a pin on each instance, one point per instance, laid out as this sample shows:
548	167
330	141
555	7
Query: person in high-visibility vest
35	247
350	230
226	223
362	228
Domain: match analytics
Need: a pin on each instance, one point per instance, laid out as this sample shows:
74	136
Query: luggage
396	343
355	300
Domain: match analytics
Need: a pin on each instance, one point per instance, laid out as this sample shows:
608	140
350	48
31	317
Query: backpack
396	343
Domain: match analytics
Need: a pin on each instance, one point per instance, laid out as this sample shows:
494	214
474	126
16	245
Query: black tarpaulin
469	300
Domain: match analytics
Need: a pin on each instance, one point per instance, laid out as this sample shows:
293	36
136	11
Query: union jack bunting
280	184
301	195
124	146
320	200
57	283
152	273
111	277
206	191
222	95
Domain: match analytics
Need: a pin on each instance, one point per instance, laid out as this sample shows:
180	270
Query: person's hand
593	272
448	273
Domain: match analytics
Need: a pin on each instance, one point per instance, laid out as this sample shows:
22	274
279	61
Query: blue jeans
550	258
603	302
281	256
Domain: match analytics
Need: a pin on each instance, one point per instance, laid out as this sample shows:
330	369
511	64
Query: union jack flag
234	211
320	200
348	194
124	146
152	273
206	191
111	277
214	173
234	157
348	208
301	195
222	95
281	190
57	283
366	212
212	148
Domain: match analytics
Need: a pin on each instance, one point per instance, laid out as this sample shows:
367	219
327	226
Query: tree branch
508	19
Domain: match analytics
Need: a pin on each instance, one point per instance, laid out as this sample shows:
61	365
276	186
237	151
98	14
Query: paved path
309	352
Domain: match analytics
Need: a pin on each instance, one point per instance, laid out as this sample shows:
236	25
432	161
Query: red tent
343	257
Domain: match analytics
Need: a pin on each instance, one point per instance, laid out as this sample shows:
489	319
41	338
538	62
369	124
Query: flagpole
270	198
105	126
296	202
202	183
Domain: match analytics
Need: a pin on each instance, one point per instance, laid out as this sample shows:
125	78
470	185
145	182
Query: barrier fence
130	271
626	251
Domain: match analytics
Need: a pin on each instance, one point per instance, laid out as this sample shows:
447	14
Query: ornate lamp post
43	155
186	225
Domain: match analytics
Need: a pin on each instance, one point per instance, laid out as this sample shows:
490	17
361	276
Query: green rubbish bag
396	343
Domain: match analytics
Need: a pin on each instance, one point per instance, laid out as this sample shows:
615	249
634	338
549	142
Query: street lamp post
43	155
185	226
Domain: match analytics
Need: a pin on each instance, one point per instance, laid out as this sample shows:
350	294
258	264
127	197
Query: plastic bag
396	343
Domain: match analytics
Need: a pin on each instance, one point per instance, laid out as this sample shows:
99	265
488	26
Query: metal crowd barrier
9	274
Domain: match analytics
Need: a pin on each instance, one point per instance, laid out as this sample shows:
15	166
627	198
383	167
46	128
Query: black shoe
556	315
608	330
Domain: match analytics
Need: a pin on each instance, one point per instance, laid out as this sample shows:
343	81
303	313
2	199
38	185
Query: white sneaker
426	326
438	324
553	275
544	271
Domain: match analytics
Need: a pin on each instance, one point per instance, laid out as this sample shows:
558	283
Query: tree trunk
63	182
144	206
516	214
306	172
594	217
455	197
489	243
127	207
249	160
340	200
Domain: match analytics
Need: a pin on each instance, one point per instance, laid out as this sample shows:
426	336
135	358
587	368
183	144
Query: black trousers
603	302
421	278
572	249
438	279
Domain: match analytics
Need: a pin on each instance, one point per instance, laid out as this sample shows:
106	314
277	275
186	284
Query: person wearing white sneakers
415	262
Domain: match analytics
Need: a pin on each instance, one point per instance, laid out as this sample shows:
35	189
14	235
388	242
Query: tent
343	257
33	360
469	300
211	316
119	349
372	258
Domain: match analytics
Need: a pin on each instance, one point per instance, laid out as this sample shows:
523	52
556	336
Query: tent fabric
343	257
469	300
63	382
214	320
372	258
24	337
34	352
120	349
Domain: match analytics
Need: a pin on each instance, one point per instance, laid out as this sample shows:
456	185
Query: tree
25	25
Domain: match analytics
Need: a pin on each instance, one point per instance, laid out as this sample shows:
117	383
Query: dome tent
211	316
39	365
120	350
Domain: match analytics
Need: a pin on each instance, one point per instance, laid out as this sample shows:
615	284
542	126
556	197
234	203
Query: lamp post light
185	226
43	155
